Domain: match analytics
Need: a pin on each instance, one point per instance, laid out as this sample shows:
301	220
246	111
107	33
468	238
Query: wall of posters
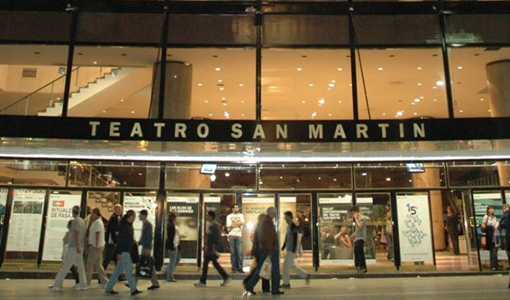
3	204
25	223
59	213
252	208
334	225
414	228
138	203
187	222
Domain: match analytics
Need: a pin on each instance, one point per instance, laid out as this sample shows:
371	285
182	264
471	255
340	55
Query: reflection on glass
401	84
306	84
473	173
475	89
105	201
36	76
33	172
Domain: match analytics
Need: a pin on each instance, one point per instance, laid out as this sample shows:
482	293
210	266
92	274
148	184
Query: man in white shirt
95	248
235	223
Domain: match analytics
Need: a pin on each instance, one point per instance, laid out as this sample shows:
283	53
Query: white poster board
414	228
59	213
26	220
138	203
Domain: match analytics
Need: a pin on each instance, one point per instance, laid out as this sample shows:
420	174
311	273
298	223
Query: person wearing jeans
291	245
172	246
235	223
360	233
125	243
74	254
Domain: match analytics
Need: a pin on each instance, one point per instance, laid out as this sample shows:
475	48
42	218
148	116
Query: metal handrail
34	92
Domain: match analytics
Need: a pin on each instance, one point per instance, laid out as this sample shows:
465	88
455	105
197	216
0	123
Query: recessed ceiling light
219	80
331	85
339	102
217	69
339	69
242	101
95	63
380	69
310	84
199	84
417	100
435	100
224	104
242	115
226	114
210	115
329	89
132	111
322	101
241	85
388	179
121	100
419	83
330	115
439	83
300	69
222	88
333	81
434	87
400	113
223	98
415	113
482	99
350	84
104	111
206	101
419	68
303	101
383	114
461	111
459	68
489	110
175	76
412	103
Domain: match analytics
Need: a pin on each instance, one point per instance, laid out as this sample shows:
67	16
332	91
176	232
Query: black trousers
214	259
109	255
359	255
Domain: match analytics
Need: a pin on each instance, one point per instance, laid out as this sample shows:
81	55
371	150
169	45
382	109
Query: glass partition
473	173
33	172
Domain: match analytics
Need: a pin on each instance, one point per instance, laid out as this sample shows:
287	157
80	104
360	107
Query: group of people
265	247
89	240
492	228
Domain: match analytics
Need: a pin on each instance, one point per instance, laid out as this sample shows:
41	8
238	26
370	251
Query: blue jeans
236	252
252	279
175	257
125	264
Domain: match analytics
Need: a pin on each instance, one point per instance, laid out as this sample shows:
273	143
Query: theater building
399	108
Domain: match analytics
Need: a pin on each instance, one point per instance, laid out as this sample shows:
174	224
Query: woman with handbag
490	225
264	242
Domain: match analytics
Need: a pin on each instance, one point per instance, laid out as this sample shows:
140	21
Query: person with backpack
211	251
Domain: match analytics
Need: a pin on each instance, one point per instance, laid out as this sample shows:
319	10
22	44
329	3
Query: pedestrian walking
112	230
95	250
291	245
172	246
235	222
146	243
360	236
211	254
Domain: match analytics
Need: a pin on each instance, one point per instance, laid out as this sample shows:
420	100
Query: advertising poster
335	230
414	228
138	203
3	204
59	213
26	221
187	222
481	201
252	208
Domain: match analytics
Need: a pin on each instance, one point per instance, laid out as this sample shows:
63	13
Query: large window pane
404	175
31	78
306	84
401	83
466	29
473	173
310	176
478	76
114	174
225	176
33	172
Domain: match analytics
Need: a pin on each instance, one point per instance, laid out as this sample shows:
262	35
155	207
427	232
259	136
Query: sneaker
278	293
112	292
82	288
56	288
249	293
135	292
308	278
50	286
153	287
200	284
226	281
285	286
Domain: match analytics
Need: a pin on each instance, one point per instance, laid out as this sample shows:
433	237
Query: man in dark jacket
125	243
212	240
291	244
112	229
172	246
146	243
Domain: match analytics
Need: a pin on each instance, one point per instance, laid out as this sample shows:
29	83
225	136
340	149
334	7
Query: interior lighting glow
322	101
439	83
199	84
217	69
388	179
460	68
331	85
310	84
339	69
380	68
400	113
417	100
300	69
227	174
419	68
241	85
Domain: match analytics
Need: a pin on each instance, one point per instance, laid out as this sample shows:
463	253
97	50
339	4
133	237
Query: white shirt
97	226
233	218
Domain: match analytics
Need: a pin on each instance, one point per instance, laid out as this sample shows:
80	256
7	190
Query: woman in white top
490	225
